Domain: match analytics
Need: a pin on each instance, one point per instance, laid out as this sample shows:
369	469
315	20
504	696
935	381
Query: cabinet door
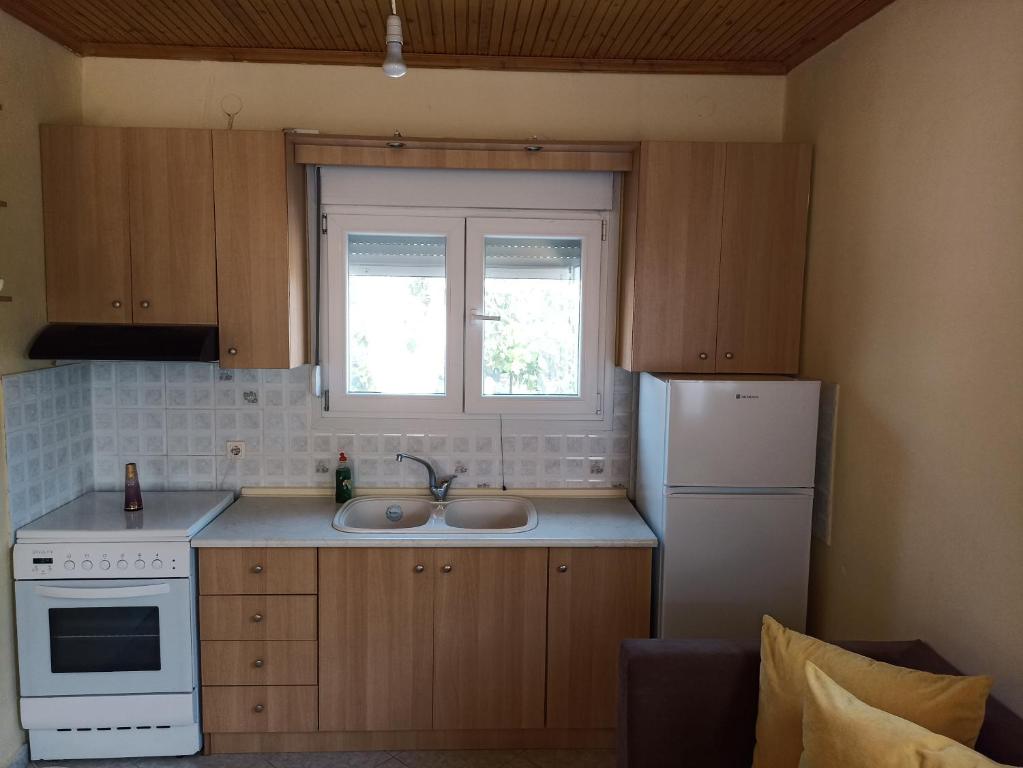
376	639
597	598
763	253
670	282
256	278
489	638
85	224
173	258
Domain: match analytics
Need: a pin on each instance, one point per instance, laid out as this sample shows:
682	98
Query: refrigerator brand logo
739	396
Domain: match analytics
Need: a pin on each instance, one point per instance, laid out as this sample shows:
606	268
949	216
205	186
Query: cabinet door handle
446	568
257	617
116	304
703	355
258	708
144	304
419	568
232	350
257	663
562	568
257	568
729	355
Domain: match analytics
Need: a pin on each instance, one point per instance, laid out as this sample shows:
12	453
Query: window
427	315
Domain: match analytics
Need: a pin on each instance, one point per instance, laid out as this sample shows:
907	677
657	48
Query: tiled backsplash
173	420
48	418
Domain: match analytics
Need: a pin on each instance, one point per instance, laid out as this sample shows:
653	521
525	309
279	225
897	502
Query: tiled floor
525	758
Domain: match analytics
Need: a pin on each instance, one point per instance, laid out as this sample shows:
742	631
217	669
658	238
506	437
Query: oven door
105	637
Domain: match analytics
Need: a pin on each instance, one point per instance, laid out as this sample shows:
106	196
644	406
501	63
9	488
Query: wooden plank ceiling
726	36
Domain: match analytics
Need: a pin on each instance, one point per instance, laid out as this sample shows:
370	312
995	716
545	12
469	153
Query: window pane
535	285
397	314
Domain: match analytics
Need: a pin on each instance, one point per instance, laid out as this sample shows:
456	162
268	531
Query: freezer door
742	434
729	559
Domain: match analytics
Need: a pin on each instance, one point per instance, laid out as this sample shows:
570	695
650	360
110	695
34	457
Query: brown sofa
694	702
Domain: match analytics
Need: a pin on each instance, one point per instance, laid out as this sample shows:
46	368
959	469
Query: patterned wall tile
49	439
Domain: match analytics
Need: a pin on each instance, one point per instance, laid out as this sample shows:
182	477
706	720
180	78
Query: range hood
165	343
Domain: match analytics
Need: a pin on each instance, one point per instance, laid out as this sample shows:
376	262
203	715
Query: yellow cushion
840	731
950	705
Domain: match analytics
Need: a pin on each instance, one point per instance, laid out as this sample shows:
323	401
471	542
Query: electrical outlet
236	449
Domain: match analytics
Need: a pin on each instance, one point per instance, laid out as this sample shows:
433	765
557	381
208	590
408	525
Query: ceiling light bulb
394	64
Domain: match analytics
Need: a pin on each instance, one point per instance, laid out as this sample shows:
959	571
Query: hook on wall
231	105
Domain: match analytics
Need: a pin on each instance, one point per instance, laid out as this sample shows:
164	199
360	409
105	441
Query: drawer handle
419	568
232	350
257	617
703	355
562	568
729	355
145	304
258	708
446	569
116	304
257	663
257	568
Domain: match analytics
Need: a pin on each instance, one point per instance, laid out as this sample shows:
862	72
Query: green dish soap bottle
344	486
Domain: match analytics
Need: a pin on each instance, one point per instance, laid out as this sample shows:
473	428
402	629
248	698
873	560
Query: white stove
106	618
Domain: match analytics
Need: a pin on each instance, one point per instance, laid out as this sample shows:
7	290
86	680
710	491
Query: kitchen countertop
261	521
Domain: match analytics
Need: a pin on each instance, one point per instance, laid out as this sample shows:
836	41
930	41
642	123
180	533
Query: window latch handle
477	315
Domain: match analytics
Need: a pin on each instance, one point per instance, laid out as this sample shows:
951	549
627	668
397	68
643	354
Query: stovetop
99	516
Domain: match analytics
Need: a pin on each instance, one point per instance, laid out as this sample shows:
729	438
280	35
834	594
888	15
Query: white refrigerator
724	477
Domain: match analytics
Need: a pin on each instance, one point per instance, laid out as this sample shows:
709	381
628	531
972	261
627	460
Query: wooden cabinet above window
713	251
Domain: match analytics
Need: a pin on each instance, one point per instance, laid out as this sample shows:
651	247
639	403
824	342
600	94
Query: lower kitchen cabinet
596	599
490	632
450	647
259	708
376	639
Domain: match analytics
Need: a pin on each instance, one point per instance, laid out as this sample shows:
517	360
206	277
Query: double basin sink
411	514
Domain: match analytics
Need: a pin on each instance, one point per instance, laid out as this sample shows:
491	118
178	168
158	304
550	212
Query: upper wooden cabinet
713	250
173	258
128	225
260	260
172	226
85	224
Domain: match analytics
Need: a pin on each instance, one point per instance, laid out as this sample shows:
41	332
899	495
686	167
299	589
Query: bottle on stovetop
132	489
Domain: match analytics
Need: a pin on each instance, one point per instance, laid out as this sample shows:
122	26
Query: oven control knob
140	564
69	565
122	564
87	565
104	565
157	564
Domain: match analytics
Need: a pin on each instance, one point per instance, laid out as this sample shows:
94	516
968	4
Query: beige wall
915	305
447	103
39	82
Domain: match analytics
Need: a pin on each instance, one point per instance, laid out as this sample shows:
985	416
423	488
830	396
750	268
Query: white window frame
586	402
353	407
339	226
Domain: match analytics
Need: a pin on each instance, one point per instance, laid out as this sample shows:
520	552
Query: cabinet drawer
257	571
257	662
257	617
259	708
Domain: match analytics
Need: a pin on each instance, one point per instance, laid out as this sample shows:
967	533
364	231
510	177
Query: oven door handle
102	593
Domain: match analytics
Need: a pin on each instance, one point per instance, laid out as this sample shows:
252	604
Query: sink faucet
439	488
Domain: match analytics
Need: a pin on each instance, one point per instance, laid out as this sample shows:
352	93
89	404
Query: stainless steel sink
416	515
